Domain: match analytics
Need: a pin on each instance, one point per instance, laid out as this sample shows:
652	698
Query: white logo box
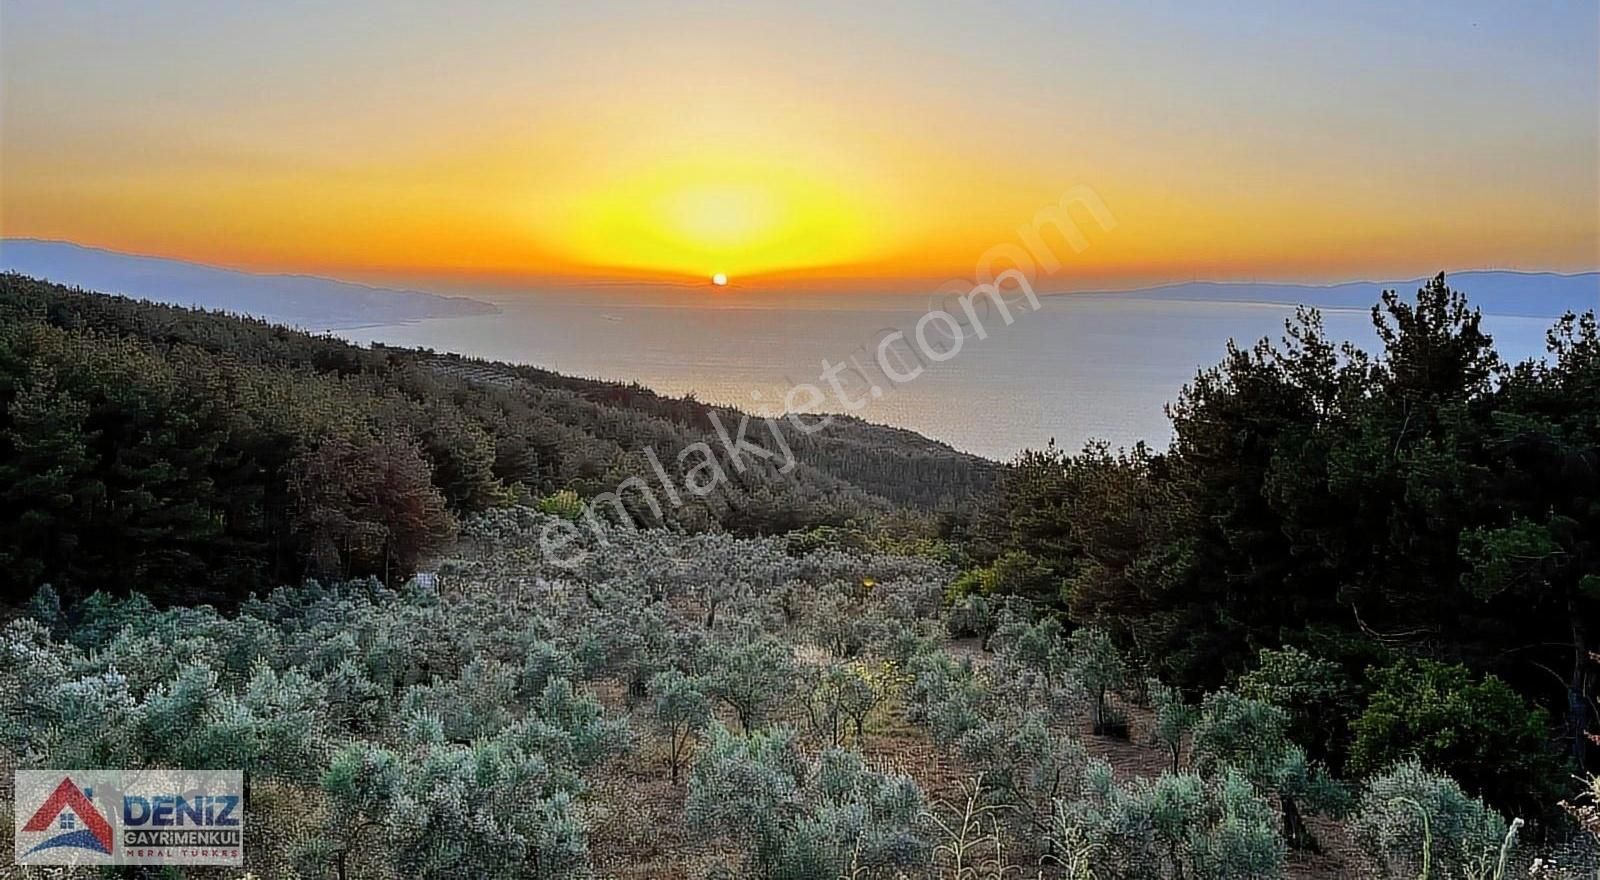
129	817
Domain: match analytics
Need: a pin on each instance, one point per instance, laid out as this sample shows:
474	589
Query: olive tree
1099	669
1173	720
796	819
1025	765
1175	825
753	677
680	710
1251	737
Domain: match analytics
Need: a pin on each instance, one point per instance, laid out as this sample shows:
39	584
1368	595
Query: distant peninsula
303	301
1496	292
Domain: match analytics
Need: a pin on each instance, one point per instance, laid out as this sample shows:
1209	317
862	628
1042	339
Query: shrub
482	812
563	503
1037	646
1409	815
970	616
1317	695
493	810
844	694
568	729
945	695
1476	730
542	662
855	820
477	704
363	785
271	729
747	788
355	702
1013	573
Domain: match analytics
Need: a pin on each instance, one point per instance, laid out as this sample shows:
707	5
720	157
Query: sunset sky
876	143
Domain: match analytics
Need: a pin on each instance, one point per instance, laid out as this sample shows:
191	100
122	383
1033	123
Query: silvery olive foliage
798	819
1099	669
453	729
680	710
753	677
457	727
1027	765
1071	806
946	695
1175	825
1172	721
970	615
1408	812
1251	738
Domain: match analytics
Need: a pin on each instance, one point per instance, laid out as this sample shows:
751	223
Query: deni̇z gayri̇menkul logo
72	812
129	817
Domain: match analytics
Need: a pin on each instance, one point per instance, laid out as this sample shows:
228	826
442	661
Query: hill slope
201	456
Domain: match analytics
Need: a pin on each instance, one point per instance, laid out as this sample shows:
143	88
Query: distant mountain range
303	301
1528	294
314	303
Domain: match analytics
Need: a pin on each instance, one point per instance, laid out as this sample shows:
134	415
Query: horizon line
757	283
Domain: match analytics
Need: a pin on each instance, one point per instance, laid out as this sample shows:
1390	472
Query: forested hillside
199	456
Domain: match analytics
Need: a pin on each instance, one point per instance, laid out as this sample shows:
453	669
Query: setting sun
719	280
728	143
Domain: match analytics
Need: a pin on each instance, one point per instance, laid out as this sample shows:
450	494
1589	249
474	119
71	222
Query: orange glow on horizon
636	144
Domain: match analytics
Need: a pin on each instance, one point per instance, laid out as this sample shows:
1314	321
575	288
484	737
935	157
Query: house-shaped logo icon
70	810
